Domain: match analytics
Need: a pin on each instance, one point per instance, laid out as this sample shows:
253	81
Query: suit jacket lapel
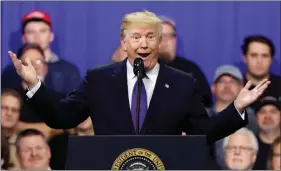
160	94
121	95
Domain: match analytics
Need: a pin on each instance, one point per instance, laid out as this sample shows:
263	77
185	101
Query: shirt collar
151	74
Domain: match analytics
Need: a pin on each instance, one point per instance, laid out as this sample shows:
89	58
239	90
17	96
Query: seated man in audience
37	28
274	160
169	56
268	120
11	104
258	52
33	150
119	54
59	143
240	150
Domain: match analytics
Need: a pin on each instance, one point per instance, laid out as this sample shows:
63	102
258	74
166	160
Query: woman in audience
274	155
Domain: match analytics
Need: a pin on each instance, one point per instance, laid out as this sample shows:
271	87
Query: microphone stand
139	72
138	104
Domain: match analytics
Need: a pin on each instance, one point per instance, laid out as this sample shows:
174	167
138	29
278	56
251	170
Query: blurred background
87	33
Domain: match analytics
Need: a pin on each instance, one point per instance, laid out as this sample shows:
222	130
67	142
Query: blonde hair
141	17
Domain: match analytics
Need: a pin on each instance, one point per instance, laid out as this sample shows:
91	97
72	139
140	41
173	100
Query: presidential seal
138	159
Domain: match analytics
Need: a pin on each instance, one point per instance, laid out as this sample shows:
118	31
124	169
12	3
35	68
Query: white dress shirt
149	84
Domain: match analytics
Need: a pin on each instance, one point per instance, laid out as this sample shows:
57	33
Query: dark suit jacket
103	96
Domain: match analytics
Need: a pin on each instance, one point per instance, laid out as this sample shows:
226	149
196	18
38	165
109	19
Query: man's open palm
25	70
247	97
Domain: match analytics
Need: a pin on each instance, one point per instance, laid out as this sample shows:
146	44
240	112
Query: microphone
139	72
139	68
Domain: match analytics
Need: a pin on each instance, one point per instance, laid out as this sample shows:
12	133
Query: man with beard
268	120
228	81
258	52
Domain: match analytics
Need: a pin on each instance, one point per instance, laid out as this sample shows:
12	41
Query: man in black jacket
169	56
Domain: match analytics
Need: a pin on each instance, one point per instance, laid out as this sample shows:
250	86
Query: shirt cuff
31	92
241	114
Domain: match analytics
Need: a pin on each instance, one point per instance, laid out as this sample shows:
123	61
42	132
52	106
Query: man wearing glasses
240	150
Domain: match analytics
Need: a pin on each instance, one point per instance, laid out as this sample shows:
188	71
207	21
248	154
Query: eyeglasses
243	149
13	109
38	62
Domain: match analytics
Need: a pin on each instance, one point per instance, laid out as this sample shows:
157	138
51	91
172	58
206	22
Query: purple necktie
143	104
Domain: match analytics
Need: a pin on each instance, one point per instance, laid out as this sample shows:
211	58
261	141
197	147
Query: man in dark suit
107	93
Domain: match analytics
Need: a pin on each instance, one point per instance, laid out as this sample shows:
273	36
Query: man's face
239	153
276	157
268	118
258	59
37	61
39	33
34	153
142	41
226	88
169	42
10	111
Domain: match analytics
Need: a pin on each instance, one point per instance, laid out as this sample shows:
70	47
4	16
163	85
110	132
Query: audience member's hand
25	70
247	97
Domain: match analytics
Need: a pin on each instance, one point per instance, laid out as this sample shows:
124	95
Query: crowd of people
28	143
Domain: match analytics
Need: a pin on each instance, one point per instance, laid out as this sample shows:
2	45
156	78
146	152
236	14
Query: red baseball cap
37	15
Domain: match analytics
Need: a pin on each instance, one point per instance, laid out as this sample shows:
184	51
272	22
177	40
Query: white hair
247	132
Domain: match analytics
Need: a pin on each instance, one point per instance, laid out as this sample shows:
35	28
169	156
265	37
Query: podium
137	152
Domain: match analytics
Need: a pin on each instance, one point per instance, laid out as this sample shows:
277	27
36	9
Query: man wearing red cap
63	76
37	28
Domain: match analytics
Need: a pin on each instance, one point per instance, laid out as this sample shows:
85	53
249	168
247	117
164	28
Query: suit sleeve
60	112
203	86
74	79
197	121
